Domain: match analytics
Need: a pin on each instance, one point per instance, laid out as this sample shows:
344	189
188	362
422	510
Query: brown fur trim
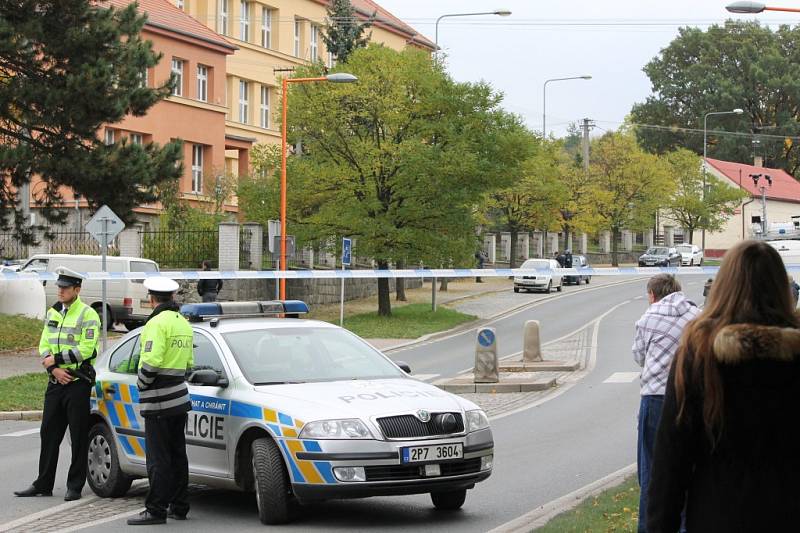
743	342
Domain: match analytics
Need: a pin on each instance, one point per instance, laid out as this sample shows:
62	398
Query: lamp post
736	111
756	7
498	12
339	77
544	99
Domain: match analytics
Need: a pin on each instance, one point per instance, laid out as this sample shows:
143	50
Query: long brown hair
751	287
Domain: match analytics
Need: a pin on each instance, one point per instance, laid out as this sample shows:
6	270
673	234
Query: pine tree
344	33
66	68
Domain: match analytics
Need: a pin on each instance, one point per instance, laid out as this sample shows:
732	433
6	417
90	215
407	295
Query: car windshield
298	355
657	251
685	249
540	264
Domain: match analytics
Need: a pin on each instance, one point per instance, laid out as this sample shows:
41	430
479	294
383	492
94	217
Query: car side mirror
207	377
403	366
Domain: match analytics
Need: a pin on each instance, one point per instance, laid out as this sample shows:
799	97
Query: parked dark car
578	261
660	256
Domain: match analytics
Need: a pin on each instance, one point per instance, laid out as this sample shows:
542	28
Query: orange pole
788	9
285	88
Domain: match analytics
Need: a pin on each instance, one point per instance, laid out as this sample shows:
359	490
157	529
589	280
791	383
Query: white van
128	302
788	249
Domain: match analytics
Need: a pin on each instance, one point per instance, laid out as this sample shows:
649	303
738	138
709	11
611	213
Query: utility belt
85	371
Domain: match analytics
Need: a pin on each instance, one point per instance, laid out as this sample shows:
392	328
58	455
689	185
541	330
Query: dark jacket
209	285
749	480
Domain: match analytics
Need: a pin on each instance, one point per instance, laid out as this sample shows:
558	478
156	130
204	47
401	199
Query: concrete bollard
486	367
531	342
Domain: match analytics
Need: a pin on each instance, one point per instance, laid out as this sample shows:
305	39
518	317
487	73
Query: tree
398	159
626	185
738	65
688	207
68	67
343	32
533	201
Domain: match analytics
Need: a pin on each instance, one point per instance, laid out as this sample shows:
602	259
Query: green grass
23	393
712	262
17	332
407	322
616	509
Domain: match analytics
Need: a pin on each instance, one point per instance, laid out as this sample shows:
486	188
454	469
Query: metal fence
11	247
245	240
180	249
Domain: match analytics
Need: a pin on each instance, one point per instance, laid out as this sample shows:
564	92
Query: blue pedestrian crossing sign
347	250
486	337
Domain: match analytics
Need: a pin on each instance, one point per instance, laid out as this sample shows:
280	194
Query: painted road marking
425	377
622	377
21	433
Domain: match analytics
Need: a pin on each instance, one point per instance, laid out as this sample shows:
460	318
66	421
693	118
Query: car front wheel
549	287
516	289
273	494
104	474
450	500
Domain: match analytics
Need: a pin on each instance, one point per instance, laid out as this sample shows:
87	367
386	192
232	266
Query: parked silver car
295	411
539	281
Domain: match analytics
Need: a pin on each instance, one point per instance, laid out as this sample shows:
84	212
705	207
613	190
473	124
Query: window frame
264	107
136	138
266	27
314	43
177	68
296	38
109	137
202	82
244	101
197	167
244	20
223	9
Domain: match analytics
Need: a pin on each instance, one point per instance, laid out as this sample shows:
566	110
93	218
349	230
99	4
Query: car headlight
351	428
476	420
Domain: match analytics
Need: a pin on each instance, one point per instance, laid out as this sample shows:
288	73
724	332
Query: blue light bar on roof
198	312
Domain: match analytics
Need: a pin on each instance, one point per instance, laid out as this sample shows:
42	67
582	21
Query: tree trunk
512	255
443	285
400	284
384	298
691	235
614	256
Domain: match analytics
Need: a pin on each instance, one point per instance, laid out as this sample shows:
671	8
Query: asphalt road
577	437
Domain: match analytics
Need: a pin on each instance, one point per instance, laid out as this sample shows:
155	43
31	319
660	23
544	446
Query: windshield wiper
277	383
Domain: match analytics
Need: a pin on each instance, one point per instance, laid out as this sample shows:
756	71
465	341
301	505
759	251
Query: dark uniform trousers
167	464
64	406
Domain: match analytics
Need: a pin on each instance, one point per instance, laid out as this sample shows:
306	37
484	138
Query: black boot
72	495
145	518
32	491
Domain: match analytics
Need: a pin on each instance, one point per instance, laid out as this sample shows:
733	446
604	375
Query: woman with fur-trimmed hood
728	444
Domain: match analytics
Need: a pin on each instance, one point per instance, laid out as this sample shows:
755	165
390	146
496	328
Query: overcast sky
611	40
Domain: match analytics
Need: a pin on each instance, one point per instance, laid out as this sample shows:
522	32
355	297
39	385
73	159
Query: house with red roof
773	196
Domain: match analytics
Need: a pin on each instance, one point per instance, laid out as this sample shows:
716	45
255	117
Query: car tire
560	286
451	500
98	307
549	288
272	487
516	289
588	279
104	474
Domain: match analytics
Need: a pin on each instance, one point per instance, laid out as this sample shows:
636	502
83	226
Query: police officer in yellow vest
166	355
68	346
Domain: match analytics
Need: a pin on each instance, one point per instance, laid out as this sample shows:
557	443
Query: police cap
161	285
68	278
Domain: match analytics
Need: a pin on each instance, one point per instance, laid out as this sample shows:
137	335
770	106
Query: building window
179	3
109	137
331	60
314	33
266	27
136	138
177	72
264	111
244	21
243	102
296	38
202	83
197	168
222	26
144	78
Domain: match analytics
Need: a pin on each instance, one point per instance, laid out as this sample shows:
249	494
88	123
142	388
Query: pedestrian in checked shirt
655	343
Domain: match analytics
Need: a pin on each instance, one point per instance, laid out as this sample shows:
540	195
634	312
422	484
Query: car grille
407	472
410	427
528	277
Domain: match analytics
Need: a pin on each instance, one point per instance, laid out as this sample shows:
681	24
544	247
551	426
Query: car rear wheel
449	501
516	289
587	280
105	477
273	494
560	286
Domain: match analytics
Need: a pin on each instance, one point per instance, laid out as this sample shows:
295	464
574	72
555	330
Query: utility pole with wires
586	125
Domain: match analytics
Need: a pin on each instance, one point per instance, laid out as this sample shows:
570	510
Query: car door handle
110	390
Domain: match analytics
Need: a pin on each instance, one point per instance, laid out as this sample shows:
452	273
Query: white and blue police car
296	411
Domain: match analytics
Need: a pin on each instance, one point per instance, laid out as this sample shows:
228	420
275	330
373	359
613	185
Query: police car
296	411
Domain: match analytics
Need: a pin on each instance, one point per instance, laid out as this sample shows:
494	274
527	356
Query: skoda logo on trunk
424	416
447	422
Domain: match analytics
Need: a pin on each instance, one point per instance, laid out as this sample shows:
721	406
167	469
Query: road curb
20	415
544	513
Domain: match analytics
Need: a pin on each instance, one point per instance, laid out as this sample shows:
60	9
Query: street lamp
498	12
736	111
544	99
338	77
756	7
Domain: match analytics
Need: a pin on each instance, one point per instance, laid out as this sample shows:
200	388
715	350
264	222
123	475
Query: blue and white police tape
709	271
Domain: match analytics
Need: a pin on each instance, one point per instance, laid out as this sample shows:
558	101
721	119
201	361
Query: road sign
347	251
105	221
276	245
273	231
486	337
